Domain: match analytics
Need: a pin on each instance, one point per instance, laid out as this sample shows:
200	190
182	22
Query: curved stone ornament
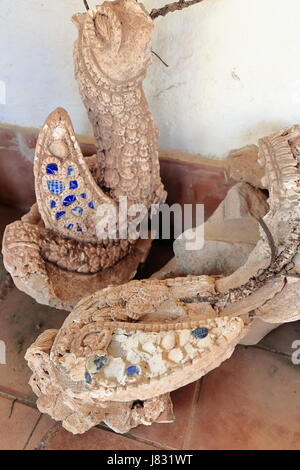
67	195
79	417
127	346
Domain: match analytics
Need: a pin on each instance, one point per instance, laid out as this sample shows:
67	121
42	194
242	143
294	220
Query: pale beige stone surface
78	416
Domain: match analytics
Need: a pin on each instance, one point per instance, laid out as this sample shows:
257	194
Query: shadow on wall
262	129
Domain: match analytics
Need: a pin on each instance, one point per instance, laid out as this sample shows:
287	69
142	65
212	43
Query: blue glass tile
52	169
52	204
133	370
69	200
91	205
83	195
60	215
71	171
200	333
77	211
79	229
69	226
88	378
73	184
99	362
56	187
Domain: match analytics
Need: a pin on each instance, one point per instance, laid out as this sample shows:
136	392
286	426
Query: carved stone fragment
230	235
76	238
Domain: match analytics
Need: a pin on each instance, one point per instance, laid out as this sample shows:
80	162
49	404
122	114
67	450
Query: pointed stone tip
58	115
61	113
78	19
59	118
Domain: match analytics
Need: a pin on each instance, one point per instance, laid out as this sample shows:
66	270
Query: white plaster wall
36	46
233	75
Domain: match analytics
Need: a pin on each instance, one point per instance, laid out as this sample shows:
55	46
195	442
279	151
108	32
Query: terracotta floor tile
95	439
282	338
250	402
21	321
43	426
16	424
171	435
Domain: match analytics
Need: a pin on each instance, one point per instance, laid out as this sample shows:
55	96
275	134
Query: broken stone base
230	235
50	284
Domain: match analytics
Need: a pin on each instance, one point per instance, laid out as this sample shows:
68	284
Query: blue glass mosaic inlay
52	169
200	332
133	370
79	229
91	205
52	204
69	200
77	211
88	378
99	362
83	195
60	215
69	226
71	171
73	184
56	187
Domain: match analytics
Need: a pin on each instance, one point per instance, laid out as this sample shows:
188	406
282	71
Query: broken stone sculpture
55	253
127	347
230	235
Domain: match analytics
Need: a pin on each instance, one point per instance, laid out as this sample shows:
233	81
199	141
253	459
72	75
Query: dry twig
156	55
172	7
273	248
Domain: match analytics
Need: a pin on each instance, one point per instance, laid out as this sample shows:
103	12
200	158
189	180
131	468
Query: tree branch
86	5
156	55
172	7
273	248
